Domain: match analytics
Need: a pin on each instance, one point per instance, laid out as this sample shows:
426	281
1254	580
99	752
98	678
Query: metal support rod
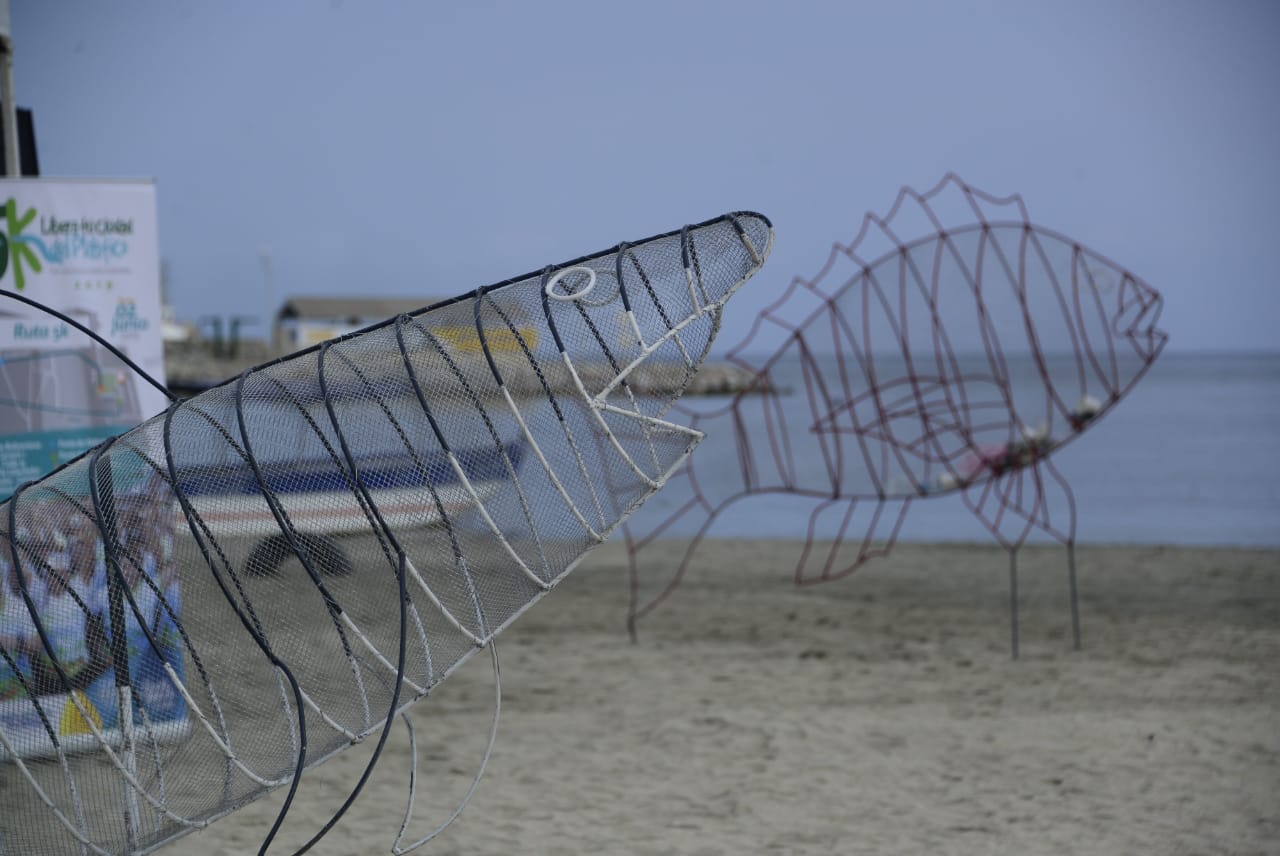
1075	596
1013	601
12	156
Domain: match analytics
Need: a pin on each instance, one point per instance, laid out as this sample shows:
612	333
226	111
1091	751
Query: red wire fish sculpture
951	348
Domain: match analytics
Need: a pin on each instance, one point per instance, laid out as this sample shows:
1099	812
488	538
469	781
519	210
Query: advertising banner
89	250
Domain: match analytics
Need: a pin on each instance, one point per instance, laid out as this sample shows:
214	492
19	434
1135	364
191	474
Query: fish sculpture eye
578	294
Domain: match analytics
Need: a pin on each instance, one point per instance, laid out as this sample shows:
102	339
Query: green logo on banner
13	248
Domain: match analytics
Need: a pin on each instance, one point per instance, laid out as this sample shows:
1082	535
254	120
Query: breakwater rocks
194	367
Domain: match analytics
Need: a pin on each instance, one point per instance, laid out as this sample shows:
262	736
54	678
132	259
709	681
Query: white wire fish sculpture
952	348
201	609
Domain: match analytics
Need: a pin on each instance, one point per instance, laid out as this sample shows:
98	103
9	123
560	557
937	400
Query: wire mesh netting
950	348
201	609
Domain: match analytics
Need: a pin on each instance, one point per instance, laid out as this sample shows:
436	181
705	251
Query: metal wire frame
660	322
889	409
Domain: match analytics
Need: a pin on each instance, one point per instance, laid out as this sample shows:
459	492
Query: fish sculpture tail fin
703	488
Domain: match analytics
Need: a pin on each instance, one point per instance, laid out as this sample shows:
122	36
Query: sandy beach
881	714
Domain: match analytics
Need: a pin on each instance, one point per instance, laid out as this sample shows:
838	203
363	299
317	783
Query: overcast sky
414	148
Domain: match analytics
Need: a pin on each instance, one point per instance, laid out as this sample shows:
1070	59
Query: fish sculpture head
612	307
627	330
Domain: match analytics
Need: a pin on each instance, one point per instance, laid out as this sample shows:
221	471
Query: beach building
306	320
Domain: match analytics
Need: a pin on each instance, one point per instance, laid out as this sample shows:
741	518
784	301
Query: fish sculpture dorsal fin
949	205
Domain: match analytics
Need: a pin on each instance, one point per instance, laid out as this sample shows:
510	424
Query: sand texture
880	714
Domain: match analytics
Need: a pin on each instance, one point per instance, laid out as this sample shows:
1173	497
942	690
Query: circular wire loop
576	295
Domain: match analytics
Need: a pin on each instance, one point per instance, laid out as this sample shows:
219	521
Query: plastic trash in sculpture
951	348
198	611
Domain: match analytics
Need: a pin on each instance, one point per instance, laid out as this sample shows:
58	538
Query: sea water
1191	456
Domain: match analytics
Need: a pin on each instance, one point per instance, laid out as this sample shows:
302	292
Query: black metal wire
116	352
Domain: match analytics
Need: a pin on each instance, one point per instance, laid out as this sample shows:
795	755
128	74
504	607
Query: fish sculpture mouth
269	571
1138	316
643	349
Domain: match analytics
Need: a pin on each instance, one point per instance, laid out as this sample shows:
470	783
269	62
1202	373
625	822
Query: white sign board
89	250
